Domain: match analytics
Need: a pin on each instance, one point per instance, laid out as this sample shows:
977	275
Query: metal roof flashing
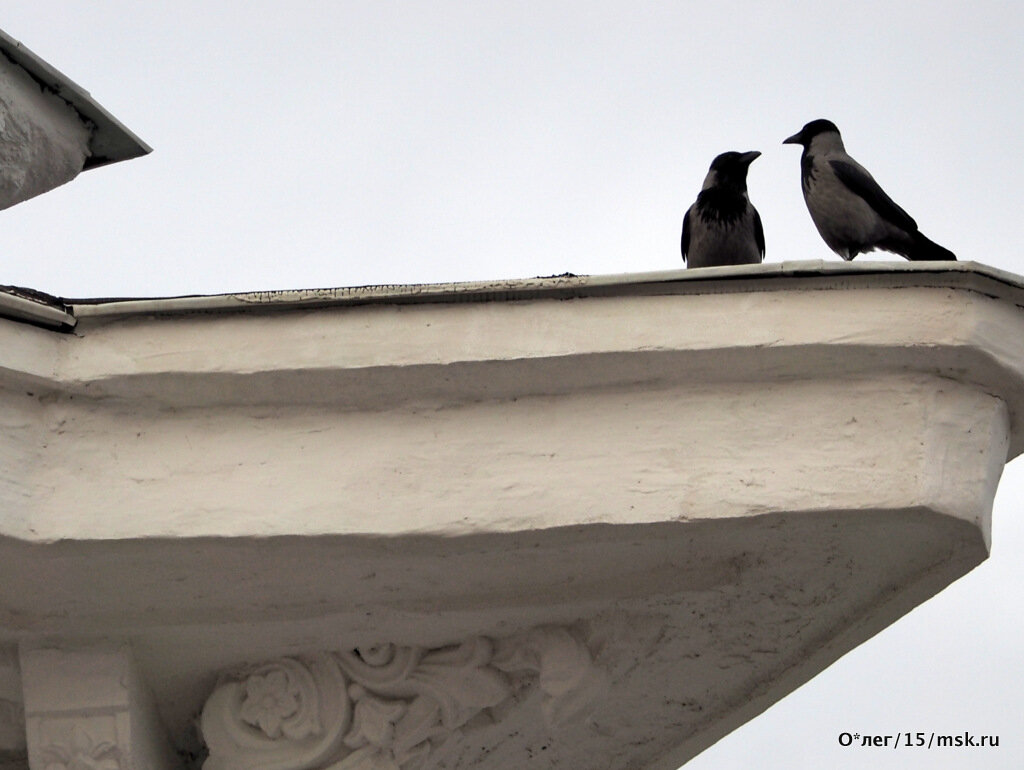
35	307
814	274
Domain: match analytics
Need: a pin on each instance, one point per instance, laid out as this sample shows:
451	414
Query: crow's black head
731	167
723	197
811	130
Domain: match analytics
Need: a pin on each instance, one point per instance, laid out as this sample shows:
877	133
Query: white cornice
720	484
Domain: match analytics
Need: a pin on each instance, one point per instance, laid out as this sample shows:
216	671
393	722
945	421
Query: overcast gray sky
313	144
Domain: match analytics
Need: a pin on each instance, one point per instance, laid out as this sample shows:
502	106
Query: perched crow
722	227
852	213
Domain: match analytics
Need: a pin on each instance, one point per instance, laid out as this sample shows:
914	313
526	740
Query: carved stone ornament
388	707
82	753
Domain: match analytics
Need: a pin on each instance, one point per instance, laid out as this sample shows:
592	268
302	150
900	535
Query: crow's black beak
795	138
749	157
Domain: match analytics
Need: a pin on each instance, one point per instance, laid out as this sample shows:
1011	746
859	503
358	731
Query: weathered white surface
717	494
44	143
478	407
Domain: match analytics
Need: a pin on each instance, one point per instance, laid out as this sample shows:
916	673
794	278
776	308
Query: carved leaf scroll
570	683
385	707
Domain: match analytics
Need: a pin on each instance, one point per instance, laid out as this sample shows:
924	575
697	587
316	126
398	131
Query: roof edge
35	307
111	141
64	313
761	277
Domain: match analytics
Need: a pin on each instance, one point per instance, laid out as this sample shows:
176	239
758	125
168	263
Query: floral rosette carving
283	715
383	707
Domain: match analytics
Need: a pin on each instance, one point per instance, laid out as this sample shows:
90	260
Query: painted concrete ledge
591	522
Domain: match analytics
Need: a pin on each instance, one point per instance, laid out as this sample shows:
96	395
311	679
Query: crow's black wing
684	242
863	184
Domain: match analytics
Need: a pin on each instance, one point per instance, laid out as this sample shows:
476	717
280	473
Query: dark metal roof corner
36	308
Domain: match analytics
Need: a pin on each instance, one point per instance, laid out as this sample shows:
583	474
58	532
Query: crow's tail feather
922	249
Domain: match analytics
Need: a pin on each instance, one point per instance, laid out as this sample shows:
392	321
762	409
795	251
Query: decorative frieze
389	707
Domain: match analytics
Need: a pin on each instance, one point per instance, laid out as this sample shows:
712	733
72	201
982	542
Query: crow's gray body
850	210
722	227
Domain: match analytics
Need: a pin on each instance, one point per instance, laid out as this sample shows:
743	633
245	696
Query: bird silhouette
722	227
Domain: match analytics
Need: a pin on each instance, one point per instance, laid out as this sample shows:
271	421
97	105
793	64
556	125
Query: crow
852	213
722	227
